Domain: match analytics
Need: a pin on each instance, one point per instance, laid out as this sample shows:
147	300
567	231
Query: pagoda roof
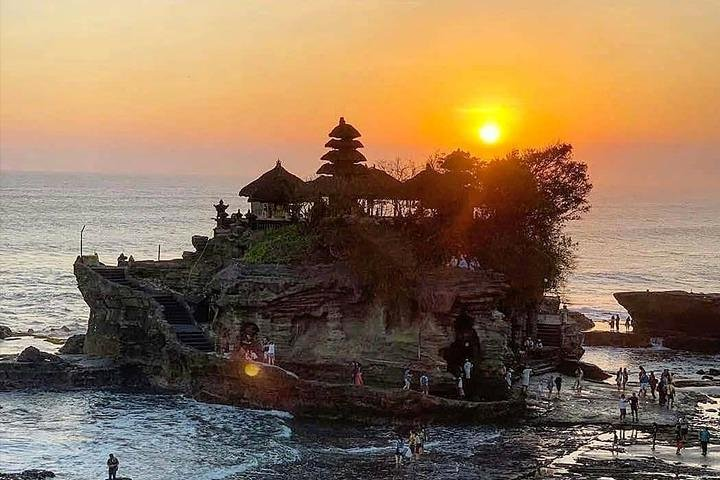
343	144
276	186
344	131
344	156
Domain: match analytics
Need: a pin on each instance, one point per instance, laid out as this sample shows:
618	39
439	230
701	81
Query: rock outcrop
73	345
28	475
673	313
34	355
5	332
581	320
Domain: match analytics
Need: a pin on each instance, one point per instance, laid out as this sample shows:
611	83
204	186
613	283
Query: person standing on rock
634	407
407	379
424	384
270	352
679	442
622	405
399	451
654	433
653	381
704	437
558	384
550	385
618	378
113	464
527	371
467	368
625	378
460	389
670	395
508	377
578	378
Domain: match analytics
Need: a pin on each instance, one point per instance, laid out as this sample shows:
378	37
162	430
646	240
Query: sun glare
251	369
489	133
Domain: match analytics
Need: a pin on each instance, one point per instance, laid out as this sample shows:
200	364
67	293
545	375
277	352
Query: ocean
623	243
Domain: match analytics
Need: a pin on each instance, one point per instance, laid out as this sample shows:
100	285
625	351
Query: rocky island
357	279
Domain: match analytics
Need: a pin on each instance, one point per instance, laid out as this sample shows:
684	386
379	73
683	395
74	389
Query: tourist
617	323
616	442
670	396
539	344
467	368
112	463
399	451
358	375
634	407
622	405
508	377
684	428
625	378
618	378
704	437
627	324
424	384
550	385
662	393
654	433
578	378
269	351
644	384
612	323
413	441
679	443
420	441
460	390
527	371
407	379
653	382
558	384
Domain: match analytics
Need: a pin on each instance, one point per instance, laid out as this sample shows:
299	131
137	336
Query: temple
333	272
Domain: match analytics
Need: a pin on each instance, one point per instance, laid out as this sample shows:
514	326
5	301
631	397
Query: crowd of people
415	445
650	389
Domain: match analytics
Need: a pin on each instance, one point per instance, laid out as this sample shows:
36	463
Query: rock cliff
673	312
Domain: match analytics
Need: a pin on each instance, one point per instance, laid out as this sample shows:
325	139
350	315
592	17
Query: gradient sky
219	86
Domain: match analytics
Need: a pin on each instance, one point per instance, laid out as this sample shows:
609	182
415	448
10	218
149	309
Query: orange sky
228	86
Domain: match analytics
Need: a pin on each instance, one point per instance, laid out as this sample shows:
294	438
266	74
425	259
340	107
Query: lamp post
81	242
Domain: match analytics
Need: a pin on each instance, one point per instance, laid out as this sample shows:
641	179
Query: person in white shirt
467	368
527	371
508	377
271	353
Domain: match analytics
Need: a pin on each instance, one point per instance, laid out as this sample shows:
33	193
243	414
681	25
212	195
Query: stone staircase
551	335
175	313
541	366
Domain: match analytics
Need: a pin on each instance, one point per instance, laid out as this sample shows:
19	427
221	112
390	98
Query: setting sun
489	133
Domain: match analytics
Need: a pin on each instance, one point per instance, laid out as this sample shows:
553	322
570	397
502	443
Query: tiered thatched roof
276	186
344	155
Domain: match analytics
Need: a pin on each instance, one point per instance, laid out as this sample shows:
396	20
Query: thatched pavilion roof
344	131
426	185
361	182
276	186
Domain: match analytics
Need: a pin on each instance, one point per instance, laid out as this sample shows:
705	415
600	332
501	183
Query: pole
81	241
158	252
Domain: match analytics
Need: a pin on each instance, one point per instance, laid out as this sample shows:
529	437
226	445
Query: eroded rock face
673	312
318	316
